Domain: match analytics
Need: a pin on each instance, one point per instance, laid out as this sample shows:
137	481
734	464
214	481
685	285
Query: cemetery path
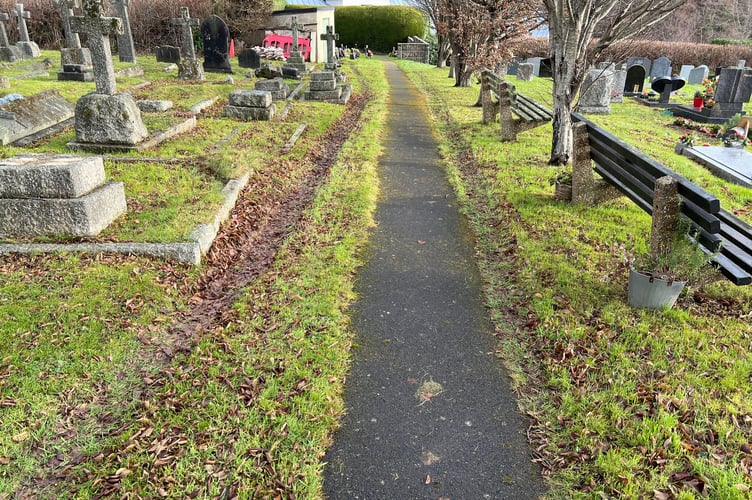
429	410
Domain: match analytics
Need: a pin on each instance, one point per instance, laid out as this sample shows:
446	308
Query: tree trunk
567	81
442	52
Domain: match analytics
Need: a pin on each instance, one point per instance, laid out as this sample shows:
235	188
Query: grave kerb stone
98	30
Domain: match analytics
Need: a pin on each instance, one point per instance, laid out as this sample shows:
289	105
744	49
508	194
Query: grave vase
698	102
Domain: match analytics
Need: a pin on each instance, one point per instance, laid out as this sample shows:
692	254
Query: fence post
666	204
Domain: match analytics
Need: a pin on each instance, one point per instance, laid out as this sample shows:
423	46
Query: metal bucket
648	291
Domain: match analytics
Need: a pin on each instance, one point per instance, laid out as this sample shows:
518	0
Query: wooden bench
508	102
634	174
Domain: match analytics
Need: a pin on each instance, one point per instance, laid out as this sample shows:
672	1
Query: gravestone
104	116
251	105
635	80
216	38
545	70
268	71
525	71
8	52
54	195
330	36
617	89
29	48
596	92
514	63
167	54
126	50
290	72
296	60
189	67
606	65
277	87
324	87
697	75
741	63
536	62
665	86
22	118
733	91
645	62
74	59
685	70
661	68
249	58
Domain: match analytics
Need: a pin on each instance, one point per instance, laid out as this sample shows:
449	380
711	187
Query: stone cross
295	27
98	30
330	37
22	16
185	22
72	41
3	34
126	50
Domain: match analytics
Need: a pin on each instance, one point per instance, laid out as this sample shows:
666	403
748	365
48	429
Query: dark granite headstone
734	86
168	54
249	58
635	79
665	86
661	68
645	62
546	68
216	38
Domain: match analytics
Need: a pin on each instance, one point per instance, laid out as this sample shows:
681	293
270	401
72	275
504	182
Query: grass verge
623	403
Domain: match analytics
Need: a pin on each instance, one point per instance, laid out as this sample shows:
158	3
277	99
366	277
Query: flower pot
563	191
645	290
698	102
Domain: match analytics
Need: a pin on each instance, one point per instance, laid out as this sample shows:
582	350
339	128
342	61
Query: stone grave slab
731	164
698	74
33	116
57	195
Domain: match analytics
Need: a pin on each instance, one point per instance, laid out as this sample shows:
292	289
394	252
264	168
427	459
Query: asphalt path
430	412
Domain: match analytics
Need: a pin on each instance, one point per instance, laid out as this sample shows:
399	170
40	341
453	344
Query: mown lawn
624	403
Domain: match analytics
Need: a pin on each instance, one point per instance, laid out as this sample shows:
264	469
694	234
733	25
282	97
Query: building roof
331	3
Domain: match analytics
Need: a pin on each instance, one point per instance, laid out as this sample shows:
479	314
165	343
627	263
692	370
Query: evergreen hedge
381	28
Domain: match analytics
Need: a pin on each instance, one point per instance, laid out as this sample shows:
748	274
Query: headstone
251	105
697	75
546	69
22	118
296	60
513	65
617	90
645	62
290	72
536	62
733	91
28	47
167	54
525	71
126	49
606	65
665	86
249	58
8	53
661	68
596	92
685	70
324	87
330	36
635	79
216	37
268	71
188	67
276	87
104	116
75	60
741	63
54	195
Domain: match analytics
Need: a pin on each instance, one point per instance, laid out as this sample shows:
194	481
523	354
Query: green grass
623	402
88	405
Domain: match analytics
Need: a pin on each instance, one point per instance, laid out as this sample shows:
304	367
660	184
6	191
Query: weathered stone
28	48
126	48
525	72
248	113
617	91
271	85
661	68
109	119
87	215
322	85
98	29
190	69
268	72
24	117
290	72
323	75
79	55
251	98
249	58
149	106
4	82
11	54
330	36
167	54
697	75
596	92
50	176
216	37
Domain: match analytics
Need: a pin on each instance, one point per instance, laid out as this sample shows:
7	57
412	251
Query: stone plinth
29	49
81	56
323	87
277	87
109	119
75	73
56	195
251	105
10	53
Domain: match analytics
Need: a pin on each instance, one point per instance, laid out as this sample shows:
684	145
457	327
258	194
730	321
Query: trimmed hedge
381	28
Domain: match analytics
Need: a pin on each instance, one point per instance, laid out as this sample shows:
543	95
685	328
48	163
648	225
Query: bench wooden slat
641	194
737	255
731	271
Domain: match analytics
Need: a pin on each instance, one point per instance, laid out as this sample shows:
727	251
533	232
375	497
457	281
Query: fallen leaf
428	479
659	495
4	461
421	242
21	436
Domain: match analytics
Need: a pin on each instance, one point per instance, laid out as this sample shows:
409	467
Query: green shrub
381	28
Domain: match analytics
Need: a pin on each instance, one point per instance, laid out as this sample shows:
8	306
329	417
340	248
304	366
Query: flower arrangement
711	129
688	140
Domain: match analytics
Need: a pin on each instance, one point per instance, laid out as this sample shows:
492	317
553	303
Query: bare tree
432	9
483	32
579	30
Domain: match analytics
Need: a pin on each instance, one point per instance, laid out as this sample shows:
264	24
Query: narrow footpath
429	410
